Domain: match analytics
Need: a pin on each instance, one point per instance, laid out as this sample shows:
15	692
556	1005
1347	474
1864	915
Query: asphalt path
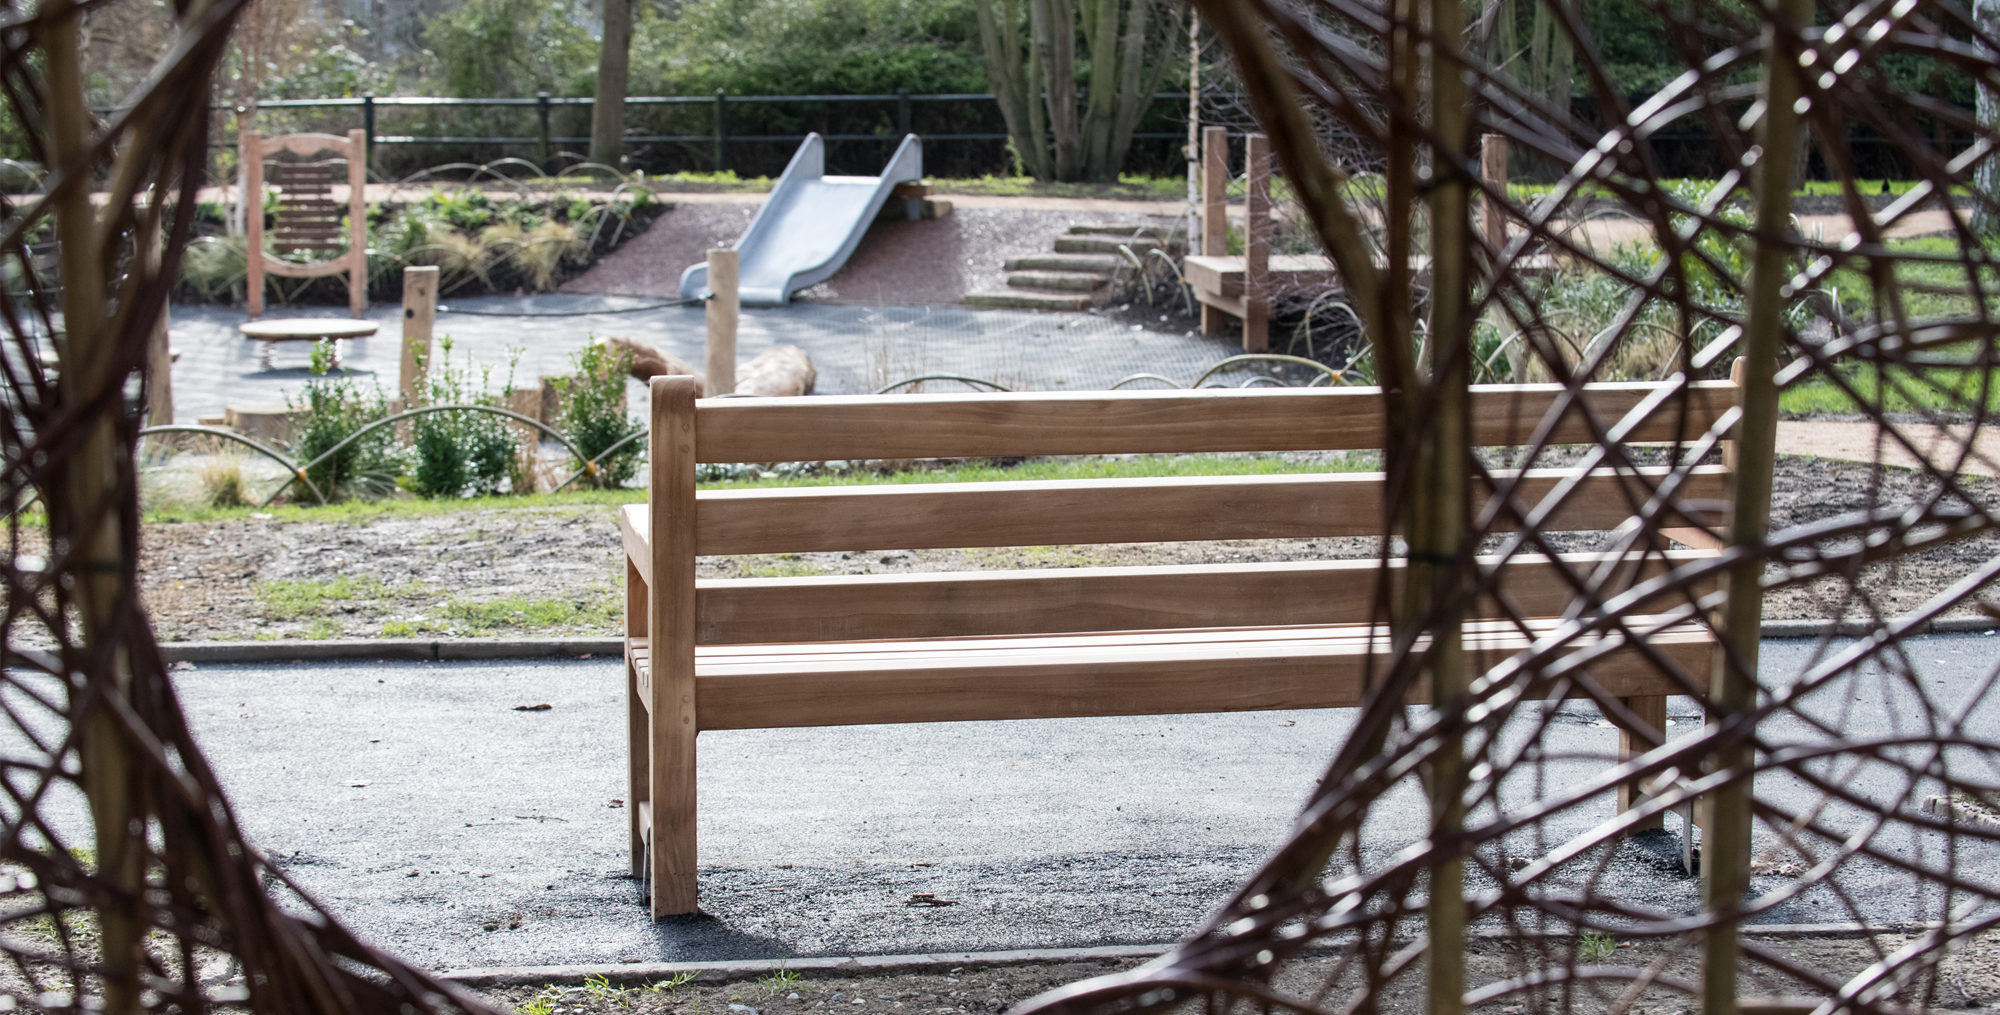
446	825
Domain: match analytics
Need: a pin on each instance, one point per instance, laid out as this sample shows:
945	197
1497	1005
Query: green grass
1931	290
784	565
308	598
361	512
1941	389
1595	947
598	610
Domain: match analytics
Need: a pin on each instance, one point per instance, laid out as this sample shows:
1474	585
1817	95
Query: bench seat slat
1063	512
1150	422
1058	600
748	688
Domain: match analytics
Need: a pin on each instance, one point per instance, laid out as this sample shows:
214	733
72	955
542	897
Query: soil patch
1969	979
538	571
898	262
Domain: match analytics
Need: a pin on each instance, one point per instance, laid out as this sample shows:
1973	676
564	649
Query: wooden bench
1108	641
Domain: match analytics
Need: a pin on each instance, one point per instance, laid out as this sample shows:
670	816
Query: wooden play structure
1246	285
1093	641
306	219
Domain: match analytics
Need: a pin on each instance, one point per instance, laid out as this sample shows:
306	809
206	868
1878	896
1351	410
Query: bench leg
1212	320
1651	709
673	839
638	792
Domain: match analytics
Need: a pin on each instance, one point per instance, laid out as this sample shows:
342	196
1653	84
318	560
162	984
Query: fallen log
785	370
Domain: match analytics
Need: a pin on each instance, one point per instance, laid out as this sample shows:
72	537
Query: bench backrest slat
1153	422
1064	512
1055	600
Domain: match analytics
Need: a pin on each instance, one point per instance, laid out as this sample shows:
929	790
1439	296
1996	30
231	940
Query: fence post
368	117
902	113
542	110
721	130
420	294
723	311
1493	166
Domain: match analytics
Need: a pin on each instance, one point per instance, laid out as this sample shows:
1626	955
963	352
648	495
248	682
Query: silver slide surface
810	225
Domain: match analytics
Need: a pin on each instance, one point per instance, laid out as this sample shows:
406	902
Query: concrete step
1027	299
1101	264
1074	244
1059	281
1122	230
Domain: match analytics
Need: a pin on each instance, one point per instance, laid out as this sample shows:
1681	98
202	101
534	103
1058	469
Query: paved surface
855	348
459	832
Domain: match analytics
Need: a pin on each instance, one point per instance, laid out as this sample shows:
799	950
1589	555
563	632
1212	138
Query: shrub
593	413
333	410
222	484
460	453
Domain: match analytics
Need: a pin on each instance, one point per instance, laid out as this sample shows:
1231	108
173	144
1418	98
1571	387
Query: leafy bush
593	413
460	453
333	410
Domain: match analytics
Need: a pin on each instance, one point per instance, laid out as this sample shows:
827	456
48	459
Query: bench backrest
992	514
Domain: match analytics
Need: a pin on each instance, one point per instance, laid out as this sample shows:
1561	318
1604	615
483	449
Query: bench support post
1257	244
1652	710
1214	208
638	792
671	628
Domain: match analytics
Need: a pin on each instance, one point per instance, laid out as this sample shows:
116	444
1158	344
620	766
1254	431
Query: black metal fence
754	135
751	135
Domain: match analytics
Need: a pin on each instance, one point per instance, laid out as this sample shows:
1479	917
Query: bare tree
1068	124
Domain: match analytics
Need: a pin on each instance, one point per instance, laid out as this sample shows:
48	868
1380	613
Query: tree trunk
1986	176
614	66
1000	40
1054	138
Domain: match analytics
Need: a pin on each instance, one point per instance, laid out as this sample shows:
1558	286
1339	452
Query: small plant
593	414
599	986
543	1003
779	979
332	411
1595	947
672	984
460	453
222	484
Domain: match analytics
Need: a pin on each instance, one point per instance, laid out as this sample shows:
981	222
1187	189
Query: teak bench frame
1046	643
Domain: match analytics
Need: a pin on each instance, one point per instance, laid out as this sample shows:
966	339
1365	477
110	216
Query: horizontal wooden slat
1110	511
274	266
303	144
1235	671
972	426
1051	600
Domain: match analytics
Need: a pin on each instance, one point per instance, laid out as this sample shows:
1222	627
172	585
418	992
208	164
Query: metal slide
810	224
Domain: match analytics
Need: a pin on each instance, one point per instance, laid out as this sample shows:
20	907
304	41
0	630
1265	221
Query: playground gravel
855	347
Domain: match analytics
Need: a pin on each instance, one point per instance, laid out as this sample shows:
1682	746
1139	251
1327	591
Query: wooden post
670	623
357	222
159	354
1214	209
419	315
252	156
723	311
1257	244
1493	166
1652	710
